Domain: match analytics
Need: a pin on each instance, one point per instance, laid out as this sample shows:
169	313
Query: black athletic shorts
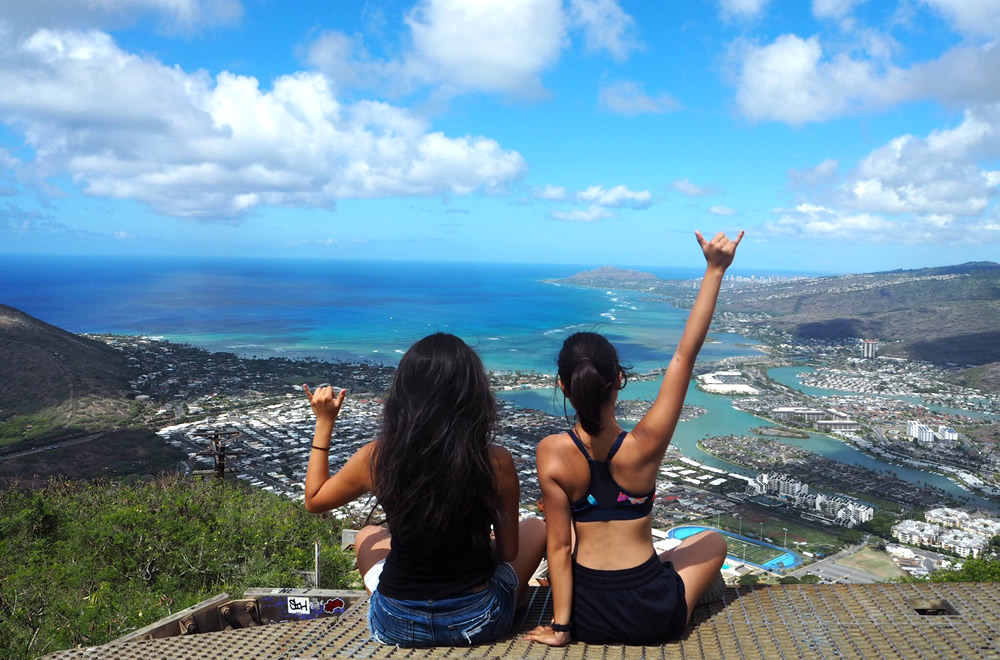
638	606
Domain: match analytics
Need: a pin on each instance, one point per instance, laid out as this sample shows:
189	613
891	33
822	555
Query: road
830	570
57	445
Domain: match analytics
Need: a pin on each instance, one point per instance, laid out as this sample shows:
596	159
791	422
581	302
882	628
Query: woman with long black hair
435	576
599	482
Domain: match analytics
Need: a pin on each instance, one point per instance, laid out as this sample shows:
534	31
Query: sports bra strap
615	447
579	444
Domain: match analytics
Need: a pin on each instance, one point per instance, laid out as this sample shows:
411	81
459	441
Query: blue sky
842	135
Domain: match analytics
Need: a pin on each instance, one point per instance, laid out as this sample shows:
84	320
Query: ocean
374	310
354	310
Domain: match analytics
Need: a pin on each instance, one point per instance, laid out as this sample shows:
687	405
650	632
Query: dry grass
874	562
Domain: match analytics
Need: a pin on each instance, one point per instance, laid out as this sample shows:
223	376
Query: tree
973	570
789	579
749	579
809	578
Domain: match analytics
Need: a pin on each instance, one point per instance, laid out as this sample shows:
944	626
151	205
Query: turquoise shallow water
788	376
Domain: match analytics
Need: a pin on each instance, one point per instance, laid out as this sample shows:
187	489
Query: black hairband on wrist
321	448
559	627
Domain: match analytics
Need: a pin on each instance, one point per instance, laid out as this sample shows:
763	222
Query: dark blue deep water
343	309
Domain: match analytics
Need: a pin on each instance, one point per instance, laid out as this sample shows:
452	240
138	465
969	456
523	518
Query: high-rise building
869	349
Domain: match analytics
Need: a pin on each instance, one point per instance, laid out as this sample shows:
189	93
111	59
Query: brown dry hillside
55	377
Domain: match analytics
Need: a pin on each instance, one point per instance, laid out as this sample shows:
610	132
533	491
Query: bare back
611	544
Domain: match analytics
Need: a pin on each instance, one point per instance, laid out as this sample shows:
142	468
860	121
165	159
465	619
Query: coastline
887	457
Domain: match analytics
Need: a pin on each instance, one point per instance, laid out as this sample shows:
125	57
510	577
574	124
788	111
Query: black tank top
445	566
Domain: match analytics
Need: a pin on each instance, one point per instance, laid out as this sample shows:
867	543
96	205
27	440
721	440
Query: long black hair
590	372
432	470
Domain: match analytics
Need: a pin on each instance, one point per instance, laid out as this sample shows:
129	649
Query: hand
719	251
546	635
325	405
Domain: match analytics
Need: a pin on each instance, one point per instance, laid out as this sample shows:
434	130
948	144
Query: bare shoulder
502	460
552	450
551	443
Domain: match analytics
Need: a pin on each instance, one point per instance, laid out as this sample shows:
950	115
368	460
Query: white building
869	348
797	412
780	485
988	527
726	382
916	532
827	425
963	543
947	433
946	517
840	510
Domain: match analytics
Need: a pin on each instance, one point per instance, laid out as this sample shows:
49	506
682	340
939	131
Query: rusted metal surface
785	621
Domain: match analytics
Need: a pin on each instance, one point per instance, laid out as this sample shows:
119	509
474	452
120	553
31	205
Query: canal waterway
789	377
721	418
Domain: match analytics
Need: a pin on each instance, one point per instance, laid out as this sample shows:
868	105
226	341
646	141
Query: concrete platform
943	620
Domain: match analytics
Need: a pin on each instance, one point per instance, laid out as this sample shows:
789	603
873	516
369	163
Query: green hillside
938	314
86	562
51	379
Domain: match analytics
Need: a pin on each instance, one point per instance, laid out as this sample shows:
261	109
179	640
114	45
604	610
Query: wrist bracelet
559	627
321	448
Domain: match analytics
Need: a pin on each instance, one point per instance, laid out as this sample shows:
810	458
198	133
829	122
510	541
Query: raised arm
353	480
657	427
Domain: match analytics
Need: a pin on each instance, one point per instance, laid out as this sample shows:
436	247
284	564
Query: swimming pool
787	559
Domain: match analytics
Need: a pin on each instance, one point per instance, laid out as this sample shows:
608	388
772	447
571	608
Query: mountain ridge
941	314
55	378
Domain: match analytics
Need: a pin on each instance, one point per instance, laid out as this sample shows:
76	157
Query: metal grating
786	621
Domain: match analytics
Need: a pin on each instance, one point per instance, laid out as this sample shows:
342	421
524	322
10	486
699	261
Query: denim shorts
478	617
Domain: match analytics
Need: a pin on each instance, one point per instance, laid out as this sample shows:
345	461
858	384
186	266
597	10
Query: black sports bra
605	499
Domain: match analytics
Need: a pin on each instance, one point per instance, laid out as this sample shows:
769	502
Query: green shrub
86	562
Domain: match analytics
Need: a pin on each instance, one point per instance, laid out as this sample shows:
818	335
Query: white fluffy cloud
551	193
971	17
813	221
605	27
188	145
941	188
808	221
600	201
793	79
833	8
721	210
488	46
625	97
741	8
456	46
939	174
616	197
788	80
685	187
592	213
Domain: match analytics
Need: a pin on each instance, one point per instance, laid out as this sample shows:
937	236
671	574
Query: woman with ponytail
435	575
598	483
